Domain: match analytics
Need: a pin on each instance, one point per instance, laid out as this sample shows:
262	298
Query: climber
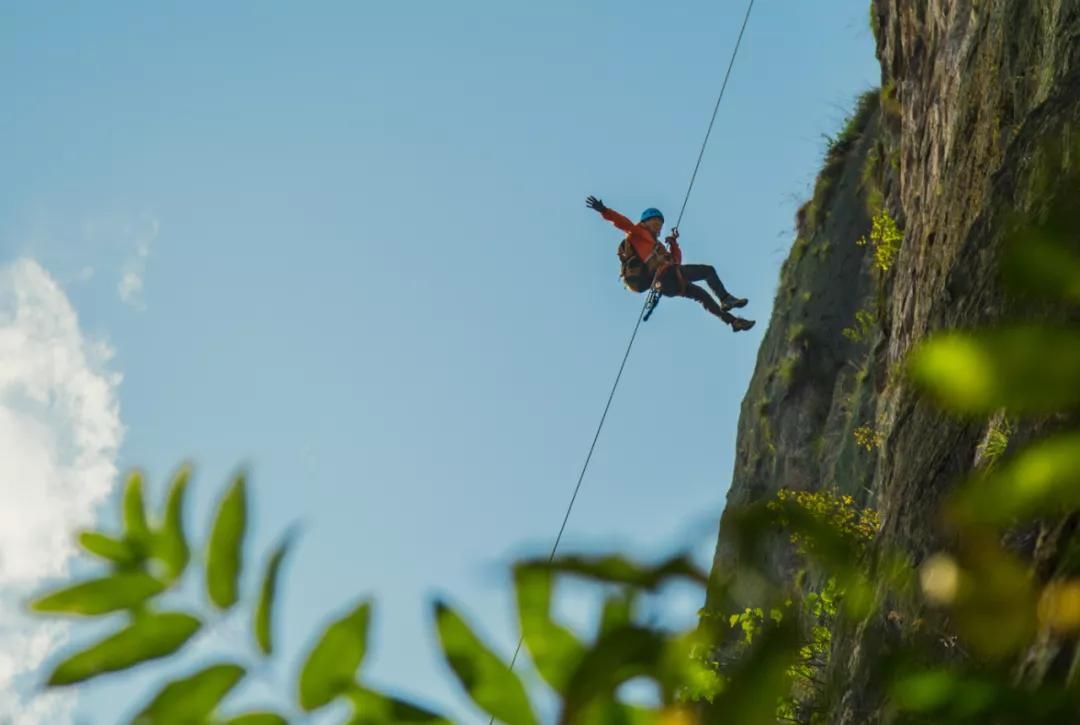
646	262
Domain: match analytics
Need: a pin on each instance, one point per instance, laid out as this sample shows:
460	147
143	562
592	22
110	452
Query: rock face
974	95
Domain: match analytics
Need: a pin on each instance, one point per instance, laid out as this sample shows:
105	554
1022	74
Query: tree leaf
489	682
331	666
618	611
257	718
148	637
759	680
125	590
1039	263
618	713
170	543
265	609
118	551
192	699
555	650
224	558
1025	369
1044	479
135	526
617	569
617	657
376	708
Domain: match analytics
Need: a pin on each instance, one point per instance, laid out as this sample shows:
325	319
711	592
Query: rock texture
978	99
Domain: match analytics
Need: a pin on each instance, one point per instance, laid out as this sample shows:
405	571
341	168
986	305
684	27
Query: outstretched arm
610	214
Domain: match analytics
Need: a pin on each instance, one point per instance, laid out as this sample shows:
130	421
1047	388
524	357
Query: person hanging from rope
646	262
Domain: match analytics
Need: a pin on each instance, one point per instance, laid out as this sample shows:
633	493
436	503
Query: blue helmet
651	213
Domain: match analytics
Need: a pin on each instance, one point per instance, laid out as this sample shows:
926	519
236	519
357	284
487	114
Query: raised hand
593	203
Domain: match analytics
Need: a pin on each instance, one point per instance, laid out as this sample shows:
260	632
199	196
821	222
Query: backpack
637	274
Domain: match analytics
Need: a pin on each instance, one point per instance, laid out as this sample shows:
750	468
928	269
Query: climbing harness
651	301
656	290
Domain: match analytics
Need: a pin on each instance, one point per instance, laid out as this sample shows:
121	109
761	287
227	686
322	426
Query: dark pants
670	286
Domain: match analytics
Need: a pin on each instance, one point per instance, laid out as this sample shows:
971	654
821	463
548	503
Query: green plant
868	437
787	368
813	613
821	250
767	439
886	238
837	149
871	182
799	248
996	442
828	507
861	330
148	559
890	100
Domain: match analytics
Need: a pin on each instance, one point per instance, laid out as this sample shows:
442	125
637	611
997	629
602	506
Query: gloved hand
673	236
593	203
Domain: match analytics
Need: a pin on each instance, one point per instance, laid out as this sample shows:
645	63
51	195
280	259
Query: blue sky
358	262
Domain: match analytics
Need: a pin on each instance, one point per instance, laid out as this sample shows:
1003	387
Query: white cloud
59	434
130	287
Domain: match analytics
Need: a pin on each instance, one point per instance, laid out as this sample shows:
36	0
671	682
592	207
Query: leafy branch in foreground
145	562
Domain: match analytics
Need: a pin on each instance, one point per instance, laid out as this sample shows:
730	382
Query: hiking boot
739	324
731	302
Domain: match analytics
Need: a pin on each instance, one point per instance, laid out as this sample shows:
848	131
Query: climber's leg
707	273
693	292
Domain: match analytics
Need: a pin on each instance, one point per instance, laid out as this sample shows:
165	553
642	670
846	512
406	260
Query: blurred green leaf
267	592
618	569
224	558
617	713
257	718
995	607
617	657
148	637
1042	480
759	680
330	668
554	649
125	590
489	682
192	699
941	690
170	544
618	611
956	696
686	665
118	551
135	526
1037	261
989	593
1025	369
376	708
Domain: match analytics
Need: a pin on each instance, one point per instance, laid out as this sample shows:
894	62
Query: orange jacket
642	240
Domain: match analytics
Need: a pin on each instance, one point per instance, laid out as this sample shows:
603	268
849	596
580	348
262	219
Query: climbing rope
654	293
646	310
723	87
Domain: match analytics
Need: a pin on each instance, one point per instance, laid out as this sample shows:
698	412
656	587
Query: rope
588	458
723	87
641	316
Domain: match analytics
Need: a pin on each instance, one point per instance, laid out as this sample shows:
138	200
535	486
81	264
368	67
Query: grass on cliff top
837	149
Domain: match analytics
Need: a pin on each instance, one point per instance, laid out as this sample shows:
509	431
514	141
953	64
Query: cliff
977	102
